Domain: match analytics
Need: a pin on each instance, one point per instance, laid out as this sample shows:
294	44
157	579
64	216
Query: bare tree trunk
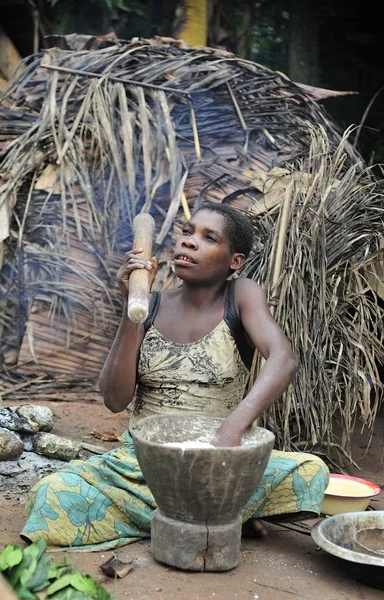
246	34
303	43
9	55
195	25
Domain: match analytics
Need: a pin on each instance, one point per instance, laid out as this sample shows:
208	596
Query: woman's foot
254	528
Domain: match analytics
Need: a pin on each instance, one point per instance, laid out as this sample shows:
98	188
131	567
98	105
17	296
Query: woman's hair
237	226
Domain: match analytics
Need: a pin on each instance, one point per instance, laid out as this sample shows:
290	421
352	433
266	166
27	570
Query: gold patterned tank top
207	376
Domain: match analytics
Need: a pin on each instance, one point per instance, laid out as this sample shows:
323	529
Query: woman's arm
279	367
118	377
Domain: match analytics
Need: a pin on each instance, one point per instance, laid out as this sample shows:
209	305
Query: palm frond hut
94	131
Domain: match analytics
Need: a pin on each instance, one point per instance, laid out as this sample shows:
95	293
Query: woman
193	353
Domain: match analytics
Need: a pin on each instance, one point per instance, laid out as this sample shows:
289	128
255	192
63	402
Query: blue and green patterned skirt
104	502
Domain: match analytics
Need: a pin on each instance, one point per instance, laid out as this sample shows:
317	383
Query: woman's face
202	252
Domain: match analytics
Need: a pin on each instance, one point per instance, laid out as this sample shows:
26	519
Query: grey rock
11	446
28	440
41	415
55	446
18	476
12	421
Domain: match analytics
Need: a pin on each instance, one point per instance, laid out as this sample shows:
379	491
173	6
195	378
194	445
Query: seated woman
192	354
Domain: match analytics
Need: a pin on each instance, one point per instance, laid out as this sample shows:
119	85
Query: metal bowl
337	535
347	494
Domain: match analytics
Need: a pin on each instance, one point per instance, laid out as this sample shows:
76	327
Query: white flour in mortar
189	444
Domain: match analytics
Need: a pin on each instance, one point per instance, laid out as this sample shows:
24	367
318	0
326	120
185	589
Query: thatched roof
90	137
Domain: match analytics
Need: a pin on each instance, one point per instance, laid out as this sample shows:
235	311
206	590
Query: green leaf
103	594
40	579
59	584
42	544
14	574
84	583
41	548
56	570
67	593
10	557
35	550
35	572
31	554
28	571
23	593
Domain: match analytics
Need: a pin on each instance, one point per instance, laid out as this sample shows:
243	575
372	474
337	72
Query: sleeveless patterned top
206	376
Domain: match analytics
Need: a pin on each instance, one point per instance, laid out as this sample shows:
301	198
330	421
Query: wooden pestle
138	303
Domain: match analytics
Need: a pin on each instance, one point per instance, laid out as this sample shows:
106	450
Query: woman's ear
238	261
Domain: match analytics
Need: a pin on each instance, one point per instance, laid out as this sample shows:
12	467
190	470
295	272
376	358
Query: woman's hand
227	437
135	260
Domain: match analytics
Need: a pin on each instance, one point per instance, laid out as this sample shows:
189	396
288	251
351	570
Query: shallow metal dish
370	541
337	534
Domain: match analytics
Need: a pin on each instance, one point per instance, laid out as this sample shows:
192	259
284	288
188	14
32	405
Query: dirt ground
284	565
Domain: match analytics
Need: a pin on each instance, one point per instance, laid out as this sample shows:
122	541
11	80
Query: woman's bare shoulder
248	286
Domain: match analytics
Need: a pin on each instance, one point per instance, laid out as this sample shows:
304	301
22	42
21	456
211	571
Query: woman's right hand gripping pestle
134	260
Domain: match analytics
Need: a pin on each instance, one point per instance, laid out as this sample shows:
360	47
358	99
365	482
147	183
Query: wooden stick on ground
20	386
